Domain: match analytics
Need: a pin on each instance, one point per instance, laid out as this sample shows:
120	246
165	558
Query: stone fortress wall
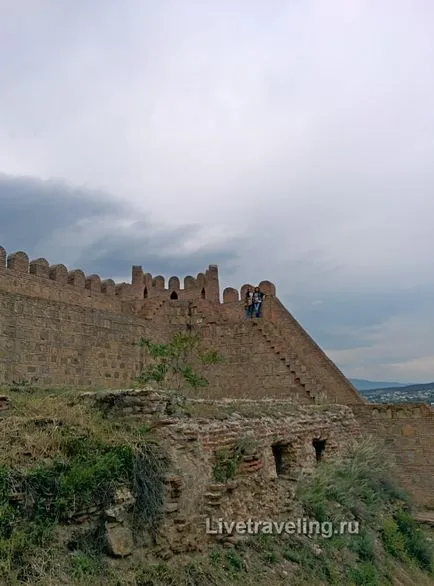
63	328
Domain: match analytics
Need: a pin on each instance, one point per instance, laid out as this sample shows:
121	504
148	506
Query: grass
359	486
59	456
248	409
228	460
58	459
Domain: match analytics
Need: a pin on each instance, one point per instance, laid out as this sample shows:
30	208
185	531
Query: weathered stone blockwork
408	430
197	430
63	328
256	492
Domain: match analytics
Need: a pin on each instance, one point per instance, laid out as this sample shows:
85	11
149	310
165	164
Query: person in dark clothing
258	298
248	304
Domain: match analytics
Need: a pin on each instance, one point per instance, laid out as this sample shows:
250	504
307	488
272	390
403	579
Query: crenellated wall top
204	285
143	285
231	295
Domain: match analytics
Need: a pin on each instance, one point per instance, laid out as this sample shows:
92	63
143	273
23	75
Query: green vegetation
171	365
58	467
358	486
406	541
60	457
51	493
228	460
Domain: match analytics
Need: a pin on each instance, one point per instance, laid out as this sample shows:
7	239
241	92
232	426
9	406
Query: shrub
359	482
393	540
416	543
228	460
365	574
172	363
87	475
226	465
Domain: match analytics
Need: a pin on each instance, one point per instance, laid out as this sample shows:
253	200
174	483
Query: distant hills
388	392
408	388
367	385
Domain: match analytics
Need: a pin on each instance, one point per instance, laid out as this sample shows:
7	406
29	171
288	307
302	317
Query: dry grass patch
35	428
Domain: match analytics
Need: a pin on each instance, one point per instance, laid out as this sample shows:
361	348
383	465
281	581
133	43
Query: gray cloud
285	141
95	232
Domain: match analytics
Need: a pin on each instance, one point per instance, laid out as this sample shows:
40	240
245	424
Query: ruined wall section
264	484
408	431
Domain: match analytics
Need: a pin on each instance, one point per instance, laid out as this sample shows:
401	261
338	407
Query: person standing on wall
258	298
248	304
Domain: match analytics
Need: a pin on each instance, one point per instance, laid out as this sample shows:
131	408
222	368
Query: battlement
143	285
23	273
63	327
18	264
231	295
203	286
389	411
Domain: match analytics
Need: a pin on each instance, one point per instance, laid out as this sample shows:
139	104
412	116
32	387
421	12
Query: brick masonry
408	430
63	328
192	438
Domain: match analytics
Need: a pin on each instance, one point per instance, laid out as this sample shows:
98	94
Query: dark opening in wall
283	458
202	293
319	446
174	295
145	293
278	458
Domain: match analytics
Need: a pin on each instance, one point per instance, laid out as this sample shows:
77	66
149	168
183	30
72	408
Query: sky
291	141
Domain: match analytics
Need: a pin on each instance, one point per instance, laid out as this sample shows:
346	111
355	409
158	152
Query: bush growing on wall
172	363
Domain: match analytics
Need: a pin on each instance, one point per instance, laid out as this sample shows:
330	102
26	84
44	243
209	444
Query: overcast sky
290	141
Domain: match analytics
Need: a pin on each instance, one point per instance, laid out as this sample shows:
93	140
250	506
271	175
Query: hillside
418	393
105	488
367	385
407	388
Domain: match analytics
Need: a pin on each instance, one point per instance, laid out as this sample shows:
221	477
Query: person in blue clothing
258	298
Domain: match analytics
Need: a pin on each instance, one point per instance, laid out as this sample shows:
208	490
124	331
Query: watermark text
301	526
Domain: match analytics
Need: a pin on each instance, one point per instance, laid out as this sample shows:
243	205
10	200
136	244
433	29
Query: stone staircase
298	370
325	369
